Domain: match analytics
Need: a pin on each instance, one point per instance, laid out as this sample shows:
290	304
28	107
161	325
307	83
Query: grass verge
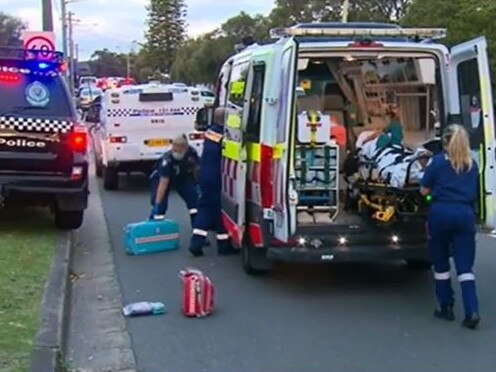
27	246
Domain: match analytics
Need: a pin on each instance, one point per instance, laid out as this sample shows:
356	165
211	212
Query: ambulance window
470	101
256	99
237	85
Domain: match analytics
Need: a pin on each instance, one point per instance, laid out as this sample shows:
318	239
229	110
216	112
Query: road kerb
50	341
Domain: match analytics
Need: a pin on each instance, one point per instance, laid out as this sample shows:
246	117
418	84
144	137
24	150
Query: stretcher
387	182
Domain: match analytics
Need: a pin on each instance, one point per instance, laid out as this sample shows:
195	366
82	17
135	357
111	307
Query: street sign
40	40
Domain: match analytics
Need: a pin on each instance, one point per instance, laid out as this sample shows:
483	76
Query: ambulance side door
471	104
285	198
234	164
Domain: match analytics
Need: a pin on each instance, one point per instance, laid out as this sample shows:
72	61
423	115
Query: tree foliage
166	32
10	30
464	19
199	59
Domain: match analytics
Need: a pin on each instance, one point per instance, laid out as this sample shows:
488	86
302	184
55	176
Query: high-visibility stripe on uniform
222	236
200	232
193	211
213	136
466	277
442	276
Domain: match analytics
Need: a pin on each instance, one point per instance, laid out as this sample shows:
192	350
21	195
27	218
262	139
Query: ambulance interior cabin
379	113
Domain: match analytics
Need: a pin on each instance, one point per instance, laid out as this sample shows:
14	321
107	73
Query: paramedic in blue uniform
176	169
451	180
209	209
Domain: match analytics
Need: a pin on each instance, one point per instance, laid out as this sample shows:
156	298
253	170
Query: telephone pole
346	9
47	15
63	11
72	69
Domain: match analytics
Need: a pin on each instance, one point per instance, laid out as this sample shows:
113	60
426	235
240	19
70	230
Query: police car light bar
425	33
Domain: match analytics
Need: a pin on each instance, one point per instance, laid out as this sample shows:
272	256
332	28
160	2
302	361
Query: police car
43	148
133	126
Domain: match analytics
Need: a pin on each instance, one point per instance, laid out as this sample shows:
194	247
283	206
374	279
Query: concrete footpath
97	340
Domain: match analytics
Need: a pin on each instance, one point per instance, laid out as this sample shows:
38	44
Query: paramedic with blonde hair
452	181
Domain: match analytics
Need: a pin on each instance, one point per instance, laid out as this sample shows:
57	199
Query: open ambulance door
471	104
234	156
284	193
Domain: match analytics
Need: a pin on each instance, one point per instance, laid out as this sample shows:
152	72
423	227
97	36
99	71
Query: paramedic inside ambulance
176	169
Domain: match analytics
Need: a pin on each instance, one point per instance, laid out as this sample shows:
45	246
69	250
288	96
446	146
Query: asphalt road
350	318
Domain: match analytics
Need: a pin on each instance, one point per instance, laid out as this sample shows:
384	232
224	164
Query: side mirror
202	119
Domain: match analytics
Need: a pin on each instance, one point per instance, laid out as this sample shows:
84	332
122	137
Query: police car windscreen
28	93
156	97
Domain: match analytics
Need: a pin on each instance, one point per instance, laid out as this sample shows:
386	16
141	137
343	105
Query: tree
464	19
11	29
166	32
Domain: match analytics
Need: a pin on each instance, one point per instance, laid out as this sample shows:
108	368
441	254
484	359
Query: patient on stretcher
383	159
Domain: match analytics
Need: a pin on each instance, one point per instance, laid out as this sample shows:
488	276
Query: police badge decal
37	94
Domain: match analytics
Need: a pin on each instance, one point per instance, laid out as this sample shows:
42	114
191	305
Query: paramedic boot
445	313
224	247
472	321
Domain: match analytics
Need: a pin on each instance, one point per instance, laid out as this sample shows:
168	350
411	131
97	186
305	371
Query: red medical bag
198	293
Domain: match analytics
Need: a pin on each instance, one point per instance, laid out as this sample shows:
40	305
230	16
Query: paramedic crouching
451	180
176	169
209	207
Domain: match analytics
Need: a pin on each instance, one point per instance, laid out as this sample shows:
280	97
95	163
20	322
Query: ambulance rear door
284	197
471	104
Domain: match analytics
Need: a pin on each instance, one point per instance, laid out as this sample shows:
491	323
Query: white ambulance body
137	125
367	64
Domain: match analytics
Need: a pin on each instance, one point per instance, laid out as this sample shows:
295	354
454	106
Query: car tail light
195	136
78	139
118	139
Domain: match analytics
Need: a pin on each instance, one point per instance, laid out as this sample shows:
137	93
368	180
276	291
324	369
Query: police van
135	125
297	184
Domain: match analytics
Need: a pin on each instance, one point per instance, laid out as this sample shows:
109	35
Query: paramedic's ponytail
457	146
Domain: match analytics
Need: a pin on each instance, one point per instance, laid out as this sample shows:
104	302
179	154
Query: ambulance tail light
78	139
266	154
118	139
195	136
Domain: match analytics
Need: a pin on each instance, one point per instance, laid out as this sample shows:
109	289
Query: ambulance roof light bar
424	33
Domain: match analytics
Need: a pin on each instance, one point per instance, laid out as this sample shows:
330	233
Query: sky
115	24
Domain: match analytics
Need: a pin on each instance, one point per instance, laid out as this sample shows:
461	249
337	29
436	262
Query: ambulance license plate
157	142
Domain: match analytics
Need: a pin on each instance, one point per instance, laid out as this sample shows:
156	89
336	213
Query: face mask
177	156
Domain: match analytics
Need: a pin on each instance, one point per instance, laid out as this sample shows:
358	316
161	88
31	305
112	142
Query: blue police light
43	65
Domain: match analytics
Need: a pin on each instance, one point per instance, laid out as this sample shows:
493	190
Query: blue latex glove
155	213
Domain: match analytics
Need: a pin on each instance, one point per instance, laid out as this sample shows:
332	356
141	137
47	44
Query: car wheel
255	261
68	220
419	264
110	178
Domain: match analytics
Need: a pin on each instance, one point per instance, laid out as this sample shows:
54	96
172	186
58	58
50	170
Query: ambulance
134	125
293	191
